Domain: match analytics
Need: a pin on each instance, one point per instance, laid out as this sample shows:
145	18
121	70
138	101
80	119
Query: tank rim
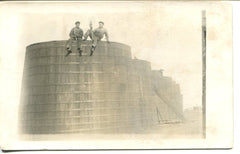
85	42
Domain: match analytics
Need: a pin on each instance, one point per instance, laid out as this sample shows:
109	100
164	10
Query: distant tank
108	92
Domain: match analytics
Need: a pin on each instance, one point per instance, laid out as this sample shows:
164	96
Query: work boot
80	52
68	52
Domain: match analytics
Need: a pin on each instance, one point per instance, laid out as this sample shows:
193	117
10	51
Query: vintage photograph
104	71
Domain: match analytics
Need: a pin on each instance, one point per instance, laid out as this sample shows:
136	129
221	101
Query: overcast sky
167	35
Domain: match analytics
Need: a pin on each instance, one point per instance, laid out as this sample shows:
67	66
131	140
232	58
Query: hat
101	22
77	22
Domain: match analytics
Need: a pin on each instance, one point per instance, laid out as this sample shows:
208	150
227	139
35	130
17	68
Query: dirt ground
187	129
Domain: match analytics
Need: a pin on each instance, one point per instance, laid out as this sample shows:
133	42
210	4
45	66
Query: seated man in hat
75	34
96	35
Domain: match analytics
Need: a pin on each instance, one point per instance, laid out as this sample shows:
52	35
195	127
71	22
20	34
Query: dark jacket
76	32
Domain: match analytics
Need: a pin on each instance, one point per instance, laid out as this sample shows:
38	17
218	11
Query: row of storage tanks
108	92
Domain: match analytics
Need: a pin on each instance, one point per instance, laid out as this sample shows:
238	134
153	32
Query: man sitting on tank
75	34
96	35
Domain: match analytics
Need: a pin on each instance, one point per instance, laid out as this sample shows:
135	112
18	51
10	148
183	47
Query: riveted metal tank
74	94
140	89
105	93
167	97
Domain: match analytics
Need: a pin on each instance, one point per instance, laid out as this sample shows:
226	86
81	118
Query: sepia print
92	72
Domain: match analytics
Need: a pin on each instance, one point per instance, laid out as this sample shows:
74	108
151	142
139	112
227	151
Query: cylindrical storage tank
74	94
139	93
169	98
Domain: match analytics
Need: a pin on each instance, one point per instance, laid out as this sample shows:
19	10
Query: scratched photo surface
127	75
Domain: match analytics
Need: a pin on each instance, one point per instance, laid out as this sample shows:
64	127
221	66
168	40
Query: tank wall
171	99
73	94
107	92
